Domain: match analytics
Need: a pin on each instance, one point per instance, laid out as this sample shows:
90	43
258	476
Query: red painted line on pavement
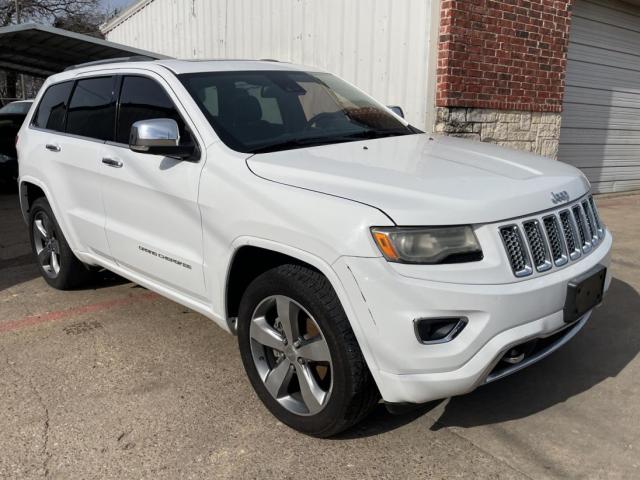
32	320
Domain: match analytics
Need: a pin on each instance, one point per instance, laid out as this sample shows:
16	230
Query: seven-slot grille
558	248
516	251
553	240
538	246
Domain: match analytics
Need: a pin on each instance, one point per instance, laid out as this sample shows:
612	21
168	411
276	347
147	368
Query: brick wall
505	59
503	54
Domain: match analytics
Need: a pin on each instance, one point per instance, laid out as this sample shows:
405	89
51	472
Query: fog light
438	330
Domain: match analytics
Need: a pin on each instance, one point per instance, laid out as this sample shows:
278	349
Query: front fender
327	270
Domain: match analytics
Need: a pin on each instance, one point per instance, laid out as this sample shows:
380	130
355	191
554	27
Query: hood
423	180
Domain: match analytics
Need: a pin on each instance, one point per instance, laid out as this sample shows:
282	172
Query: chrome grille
517	252
570	234
537	245
591	222
582	228
558	249
553	240
596	217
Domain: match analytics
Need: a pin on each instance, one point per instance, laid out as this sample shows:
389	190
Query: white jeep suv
354	256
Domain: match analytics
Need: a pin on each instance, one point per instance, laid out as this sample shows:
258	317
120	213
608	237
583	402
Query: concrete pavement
116	382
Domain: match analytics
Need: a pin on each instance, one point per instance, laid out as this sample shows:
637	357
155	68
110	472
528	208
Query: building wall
382	46
501	71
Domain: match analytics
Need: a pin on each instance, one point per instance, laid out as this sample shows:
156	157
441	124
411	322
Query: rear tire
57	263
300	352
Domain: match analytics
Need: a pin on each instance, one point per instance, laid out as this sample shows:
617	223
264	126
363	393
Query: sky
111	4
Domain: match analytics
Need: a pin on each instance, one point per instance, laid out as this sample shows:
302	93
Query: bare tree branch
45	11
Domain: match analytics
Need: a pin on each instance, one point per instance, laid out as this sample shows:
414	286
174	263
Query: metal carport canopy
41	51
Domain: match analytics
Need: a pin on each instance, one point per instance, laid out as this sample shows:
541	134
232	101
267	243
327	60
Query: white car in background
356	257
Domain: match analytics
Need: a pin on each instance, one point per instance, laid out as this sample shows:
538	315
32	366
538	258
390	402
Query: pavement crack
45	444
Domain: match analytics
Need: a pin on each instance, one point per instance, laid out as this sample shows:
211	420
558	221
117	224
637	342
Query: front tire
57	263
300	353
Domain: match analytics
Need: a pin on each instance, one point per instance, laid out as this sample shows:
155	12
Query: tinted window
53	107
16	108
144	99
92	109
270	107
261	111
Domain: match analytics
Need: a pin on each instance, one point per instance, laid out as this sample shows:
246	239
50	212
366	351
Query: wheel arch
302	257
248	261
30	190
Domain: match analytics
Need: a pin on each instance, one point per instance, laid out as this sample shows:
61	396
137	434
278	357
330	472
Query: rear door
152	216
70	127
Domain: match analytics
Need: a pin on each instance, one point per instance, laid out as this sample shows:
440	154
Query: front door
151	202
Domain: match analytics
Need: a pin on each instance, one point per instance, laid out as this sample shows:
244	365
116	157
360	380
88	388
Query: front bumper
499	317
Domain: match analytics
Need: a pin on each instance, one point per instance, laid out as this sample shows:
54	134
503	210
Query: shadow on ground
24	268
606	345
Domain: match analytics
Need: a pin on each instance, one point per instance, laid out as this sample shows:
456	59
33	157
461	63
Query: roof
227	65
41	50
183	66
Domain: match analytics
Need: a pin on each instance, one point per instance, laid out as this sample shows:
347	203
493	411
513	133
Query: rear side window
92	109
142	98
53	107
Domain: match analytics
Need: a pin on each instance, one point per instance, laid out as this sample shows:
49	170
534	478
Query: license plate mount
584	293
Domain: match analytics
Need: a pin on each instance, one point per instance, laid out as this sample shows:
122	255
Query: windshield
18	108
266	111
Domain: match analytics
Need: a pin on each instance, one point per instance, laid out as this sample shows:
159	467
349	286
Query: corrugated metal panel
382	46
42	50
601	121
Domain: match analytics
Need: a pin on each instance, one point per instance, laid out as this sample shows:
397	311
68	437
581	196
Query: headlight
427	245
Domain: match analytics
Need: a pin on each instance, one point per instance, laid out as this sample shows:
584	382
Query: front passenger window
142	98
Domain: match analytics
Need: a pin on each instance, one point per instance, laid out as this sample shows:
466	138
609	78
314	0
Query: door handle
112	162
52	148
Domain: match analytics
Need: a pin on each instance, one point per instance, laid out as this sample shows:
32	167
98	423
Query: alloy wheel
291	355
46	244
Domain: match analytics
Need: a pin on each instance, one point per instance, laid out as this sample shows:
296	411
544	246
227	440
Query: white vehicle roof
194	66
182	66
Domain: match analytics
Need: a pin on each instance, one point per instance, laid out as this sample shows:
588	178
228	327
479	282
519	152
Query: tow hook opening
518	353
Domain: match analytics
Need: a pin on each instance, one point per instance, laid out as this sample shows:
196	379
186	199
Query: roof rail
135	58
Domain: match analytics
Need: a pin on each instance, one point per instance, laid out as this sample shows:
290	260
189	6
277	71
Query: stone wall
537	132
501	71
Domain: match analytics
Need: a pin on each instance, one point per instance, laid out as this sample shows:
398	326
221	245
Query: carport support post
24	96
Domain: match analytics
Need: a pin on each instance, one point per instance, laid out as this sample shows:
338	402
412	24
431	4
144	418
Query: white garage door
601	120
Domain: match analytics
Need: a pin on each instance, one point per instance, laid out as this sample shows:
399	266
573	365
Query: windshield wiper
372	134
317	141
301	142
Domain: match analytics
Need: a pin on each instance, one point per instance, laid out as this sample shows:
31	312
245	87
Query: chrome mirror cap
158	132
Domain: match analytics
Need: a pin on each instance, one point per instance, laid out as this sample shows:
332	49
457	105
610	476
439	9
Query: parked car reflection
11	117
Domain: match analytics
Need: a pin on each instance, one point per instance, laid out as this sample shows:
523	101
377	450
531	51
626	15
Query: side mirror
397	110
158	136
